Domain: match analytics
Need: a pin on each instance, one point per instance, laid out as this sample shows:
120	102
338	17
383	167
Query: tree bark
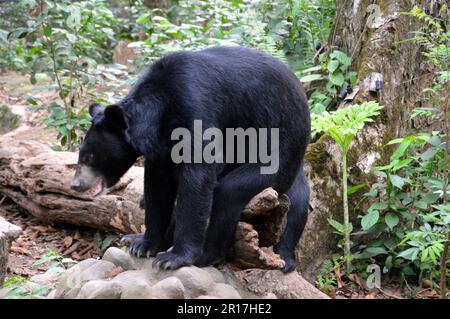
368	31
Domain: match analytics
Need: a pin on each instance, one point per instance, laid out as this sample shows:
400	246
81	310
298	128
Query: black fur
224	87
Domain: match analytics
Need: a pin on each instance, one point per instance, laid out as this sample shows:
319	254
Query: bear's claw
139	246
169	260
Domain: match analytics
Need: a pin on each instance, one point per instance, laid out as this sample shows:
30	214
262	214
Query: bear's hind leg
296	219
231	195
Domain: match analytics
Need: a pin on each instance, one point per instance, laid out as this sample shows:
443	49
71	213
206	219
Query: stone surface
283	286
93	279
216	275
75	277
224	291
134	284
100	289
169	288
8	232
48	279
195	280
119	258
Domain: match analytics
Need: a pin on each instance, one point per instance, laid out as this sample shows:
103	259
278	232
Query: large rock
100	289
134	284
96	279
169	288
75	277
8	232
283	286
119	258
195	280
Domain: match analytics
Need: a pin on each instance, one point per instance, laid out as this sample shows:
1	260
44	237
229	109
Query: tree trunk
368	31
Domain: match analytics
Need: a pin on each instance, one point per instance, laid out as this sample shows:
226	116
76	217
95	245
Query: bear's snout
75	184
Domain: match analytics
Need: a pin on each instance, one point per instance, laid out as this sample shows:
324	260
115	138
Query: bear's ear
95	109
114	116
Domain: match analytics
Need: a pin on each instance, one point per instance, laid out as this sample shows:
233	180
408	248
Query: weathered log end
261	225
8	232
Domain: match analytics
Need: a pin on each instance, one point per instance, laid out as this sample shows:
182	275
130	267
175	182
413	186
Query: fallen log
38	178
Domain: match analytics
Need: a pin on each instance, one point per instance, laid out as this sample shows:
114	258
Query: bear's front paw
139	246
169	260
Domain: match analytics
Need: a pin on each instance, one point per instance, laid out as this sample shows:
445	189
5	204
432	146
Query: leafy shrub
66	41
408	219
334	69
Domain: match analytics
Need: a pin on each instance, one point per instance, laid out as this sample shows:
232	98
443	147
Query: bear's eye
88	159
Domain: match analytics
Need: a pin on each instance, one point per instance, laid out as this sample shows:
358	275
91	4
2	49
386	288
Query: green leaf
32	101
73	21
311	77
378	206
421	204
435	140
336	225
391	220
143	18
337	79
342	57
355	188
333	65
312	69
410	253
352	77
429	154
400	150
397	181
370	252
48	30
370	219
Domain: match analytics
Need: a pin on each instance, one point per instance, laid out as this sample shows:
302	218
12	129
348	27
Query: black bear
192	208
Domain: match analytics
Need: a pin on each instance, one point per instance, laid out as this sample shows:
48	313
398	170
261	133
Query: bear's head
105	155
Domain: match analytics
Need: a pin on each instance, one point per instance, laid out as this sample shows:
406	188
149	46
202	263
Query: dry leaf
358	280
372	295
396	294
338	275
427	293
44	229
68	241
77	235
75	255
20	250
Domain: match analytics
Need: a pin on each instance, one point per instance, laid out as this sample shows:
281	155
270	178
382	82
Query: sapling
342	126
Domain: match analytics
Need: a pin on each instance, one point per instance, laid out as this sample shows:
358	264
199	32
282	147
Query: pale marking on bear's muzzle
86	179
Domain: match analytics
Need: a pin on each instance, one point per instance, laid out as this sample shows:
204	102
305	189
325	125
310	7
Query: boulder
119	258
169	288
195	280
75	277
283	286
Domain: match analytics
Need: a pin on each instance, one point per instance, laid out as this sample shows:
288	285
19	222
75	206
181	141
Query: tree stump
8	232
